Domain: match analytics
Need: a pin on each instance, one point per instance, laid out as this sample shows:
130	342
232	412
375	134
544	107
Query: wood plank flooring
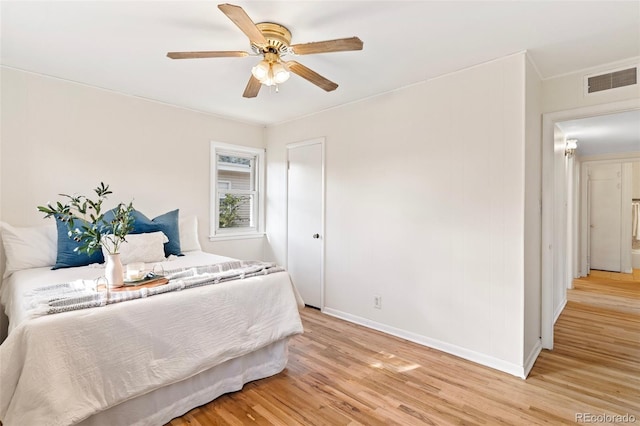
343	374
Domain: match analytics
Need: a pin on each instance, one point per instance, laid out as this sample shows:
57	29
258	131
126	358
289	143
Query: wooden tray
154	282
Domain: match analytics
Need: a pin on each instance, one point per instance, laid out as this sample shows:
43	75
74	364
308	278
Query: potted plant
89	227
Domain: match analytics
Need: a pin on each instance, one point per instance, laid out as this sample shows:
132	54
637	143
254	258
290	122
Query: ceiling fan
273	41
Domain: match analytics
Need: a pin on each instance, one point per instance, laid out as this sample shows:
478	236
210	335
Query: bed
143	361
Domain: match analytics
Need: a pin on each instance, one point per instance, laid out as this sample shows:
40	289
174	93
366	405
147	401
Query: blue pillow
167	223
67	257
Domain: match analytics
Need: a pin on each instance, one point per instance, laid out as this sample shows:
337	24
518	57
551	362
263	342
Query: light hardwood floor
343	374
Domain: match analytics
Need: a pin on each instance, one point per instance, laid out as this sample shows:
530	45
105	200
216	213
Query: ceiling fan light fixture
280	72
269	81
261	71
270	72
272	40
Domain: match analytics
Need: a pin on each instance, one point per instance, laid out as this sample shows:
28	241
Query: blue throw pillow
167	223
67	257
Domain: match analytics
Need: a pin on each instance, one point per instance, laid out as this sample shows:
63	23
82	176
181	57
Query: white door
304	220
604	217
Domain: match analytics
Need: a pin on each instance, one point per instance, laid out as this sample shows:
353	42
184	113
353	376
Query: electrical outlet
377	302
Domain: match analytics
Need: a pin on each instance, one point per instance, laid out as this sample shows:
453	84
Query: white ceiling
605	134
121	45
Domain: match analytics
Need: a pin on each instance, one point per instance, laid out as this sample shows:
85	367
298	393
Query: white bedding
60	369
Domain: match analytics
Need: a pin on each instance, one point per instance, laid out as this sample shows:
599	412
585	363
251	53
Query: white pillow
145	248
28	247
189	234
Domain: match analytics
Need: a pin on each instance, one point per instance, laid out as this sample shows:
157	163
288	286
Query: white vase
113	270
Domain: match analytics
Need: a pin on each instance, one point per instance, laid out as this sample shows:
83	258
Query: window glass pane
236	170
223	185
236	180
236	211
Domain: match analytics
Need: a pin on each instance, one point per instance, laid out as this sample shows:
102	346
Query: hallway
597	344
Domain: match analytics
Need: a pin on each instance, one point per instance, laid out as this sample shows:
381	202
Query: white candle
135	271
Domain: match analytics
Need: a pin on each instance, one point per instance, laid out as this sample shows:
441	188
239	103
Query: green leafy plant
86	221
229	210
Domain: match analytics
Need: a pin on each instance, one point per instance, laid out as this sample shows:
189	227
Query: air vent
612	80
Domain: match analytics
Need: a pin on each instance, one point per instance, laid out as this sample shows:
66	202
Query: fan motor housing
278	38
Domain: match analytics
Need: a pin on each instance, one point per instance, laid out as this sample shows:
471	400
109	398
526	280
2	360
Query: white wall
567	91
425	195
59	136
560	265
532	215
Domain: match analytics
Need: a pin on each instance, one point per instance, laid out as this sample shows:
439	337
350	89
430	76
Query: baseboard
533	355
558	311
477	357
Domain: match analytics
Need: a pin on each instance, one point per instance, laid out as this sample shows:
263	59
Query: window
224	184
237	186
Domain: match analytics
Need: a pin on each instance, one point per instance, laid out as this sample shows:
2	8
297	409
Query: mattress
70	367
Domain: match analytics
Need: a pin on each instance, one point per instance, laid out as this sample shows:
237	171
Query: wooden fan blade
205	54
311	76
338	45
253	87
242	20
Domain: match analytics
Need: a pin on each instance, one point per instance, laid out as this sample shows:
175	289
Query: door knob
316	236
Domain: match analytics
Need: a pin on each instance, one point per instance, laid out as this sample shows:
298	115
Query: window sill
224	237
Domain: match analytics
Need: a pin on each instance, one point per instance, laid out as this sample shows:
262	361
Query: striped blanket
82	294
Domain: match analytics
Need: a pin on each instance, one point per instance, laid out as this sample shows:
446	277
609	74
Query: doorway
305	219
554	258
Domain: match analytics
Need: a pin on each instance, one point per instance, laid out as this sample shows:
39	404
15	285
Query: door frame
321	141
548	208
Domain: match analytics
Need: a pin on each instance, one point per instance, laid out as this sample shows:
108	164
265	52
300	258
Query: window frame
215	232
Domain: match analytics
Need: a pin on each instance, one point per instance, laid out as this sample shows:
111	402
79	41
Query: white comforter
59	369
